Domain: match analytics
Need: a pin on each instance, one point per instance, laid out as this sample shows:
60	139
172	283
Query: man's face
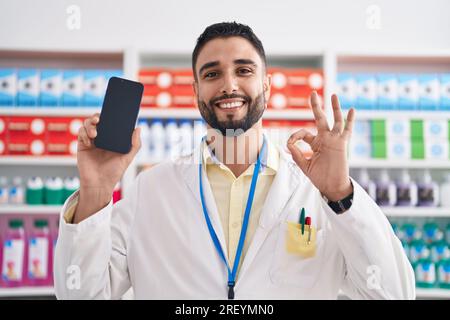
232	86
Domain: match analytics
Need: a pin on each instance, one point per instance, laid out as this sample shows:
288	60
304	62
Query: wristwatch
342	205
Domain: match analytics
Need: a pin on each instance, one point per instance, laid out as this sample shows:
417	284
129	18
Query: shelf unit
131	59
27	292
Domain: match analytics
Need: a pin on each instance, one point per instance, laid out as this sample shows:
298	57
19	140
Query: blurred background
390	60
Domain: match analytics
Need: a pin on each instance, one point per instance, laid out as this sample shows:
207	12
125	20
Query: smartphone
119	115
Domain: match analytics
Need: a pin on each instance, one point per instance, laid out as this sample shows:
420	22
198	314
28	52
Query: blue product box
429	92
51	87
445	92
28	87
366	97
8	87
94	86
408	92
72	88
346	90
387	91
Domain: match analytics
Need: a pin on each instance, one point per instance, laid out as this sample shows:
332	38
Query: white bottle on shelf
367	184
445	191
4	190
17	191
386	191
406	190
158	141
428	191
144	152
186	133
173	141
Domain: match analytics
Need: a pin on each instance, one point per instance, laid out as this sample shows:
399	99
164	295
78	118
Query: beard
255	110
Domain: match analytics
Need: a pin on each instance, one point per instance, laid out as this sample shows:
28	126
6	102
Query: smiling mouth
230	105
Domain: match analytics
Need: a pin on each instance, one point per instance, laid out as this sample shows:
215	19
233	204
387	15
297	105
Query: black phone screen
118	115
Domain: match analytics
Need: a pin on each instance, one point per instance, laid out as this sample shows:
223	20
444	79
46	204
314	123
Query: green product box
379	149
417	149
378	128
416	130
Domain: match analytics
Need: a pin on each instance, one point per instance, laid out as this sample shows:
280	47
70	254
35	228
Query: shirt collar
270	159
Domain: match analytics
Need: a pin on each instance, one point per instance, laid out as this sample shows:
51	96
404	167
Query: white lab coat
157	241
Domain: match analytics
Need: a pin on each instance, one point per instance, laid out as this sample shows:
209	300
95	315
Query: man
247	220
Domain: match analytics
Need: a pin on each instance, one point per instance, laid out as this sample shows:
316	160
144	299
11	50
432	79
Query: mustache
213	101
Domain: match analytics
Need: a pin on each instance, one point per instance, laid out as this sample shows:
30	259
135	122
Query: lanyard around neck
232	272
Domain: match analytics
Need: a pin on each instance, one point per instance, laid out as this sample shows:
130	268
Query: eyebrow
216	63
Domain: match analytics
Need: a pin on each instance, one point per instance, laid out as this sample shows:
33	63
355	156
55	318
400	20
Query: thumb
135	141
298	157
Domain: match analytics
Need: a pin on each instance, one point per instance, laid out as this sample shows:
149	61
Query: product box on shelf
26	136
8	87
408	92
72	88
366	97
445	92
429	92
346	89
62	135
94	86
50	87
28	87
387	91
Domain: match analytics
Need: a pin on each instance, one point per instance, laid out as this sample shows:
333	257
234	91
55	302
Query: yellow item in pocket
298	243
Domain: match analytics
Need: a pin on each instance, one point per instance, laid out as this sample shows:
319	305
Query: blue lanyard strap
232	273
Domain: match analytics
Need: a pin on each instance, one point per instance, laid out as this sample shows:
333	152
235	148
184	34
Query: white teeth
230	105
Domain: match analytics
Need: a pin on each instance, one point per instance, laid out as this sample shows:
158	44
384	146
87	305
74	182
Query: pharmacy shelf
416	212
38	160
49	111
400	164
193	113
27	292
401	115
30	209
433	293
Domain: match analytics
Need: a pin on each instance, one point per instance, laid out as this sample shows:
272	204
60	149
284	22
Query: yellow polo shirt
231	194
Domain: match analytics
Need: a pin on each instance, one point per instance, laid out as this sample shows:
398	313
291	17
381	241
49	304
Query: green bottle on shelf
71	185
425	271
35	191
54	191
443	274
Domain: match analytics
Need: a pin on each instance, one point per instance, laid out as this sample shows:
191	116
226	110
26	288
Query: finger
338	120
91	126
298	157
135	142
302	134
349	125
83	137
319	115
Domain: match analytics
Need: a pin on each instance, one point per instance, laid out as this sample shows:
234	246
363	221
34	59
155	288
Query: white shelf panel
416	212
397	164
30	209
49	111
27	291
406	114
189	113
38	160
433	293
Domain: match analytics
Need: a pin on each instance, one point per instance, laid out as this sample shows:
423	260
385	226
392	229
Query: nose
229	84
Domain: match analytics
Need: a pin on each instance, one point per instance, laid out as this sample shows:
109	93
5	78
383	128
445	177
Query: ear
195	87
266	86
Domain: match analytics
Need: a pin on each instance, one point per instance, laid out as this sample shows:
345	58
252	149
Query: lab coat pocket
297	257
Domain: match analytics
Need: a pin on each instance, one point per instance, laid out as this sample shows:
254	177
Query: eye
211	74
244	71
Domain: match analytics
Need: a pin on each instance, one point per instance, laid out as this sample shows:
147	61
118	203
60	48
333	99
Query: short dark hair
226	30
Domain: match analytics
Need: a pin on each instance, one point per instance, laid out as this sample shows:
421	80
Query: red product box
27	136
62	135
291	87
3	135
157	86
182	90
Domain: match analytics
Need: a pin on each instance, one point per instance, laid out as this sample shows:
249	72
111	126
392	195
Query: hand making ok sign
328	167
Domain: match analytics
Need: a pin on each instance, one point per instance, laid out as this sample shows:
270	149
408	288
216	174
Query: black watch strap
342	205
